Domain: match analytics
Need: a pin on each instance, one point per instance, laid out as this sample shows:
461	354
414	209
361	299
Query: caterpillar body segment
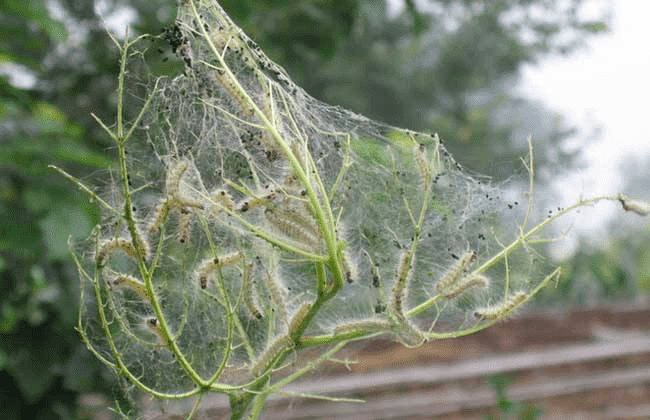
142	244
250	295
208	265
467	282
301	217
176	195
130	282
349	268
221	198
159	215
369	325
271	352
174	176
298	317
291	228
278	296
184	226
399	288
408	334
175	198
252	203
108	246
503	309
454	274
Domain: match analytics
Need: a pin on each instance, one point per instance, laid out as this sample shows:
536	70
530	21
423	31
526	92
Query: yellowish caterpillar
502	310
270	353
222	38
455	272
251	203
349	267
208	265
301	217
222	198
250	293
231	87
159	215
476	280
403	272
184	226
298	317
174	176
131	282
142	243
408	334
290	227
365	326
108	246
277	292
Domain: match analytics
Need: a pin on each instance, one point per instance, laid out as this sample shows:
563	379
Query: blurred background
573	74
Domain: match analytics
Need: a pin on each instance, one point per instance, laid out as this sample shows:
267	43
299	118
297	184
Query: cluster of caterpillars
456	281
285	209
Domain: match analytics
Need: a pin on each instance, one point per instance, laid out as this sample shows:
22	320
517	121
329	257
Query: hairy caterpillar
403	272
250	293
174	176
277	292
108	246
131	282
251	203
159	215
503	309
173	190
364	326
222	198
301	218
165	207
455	272
350	268
476	280
184	226
270	353
298	317
208	265
230	85
408	334
290	227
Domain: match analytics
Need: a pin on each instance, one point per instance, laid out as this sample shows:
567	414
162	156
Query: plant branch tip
639	207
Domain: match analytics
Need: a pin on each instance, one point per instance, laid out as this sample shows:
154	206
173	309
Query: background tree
443	66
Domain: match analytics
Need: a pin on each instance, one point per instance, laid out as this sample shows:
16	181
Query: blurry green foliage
43	366
617	271
507	408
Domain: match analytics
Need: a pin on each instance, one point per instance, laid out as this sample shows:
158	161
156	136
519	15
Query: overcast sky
607	87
